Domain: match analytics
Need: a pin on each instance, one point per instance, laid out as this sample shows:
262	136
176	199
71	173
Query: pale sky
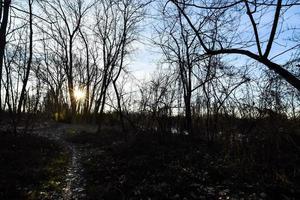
144	60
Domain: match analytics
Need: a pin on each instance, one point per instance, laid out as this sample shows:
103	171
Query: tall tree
227	41
66	17
4	14
116	25
29	61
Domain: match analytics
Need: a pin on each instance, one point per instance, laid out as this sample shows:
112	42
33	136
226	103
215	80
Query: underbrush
148	166
31	167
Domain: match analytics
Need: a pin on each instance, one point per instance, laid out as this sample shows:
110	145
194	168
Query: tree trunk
29	62
188	113
3	39
70	79
119	106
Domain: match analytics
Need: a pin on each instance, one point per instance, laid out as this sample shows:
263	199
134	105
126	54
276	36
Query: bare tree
50	72
66	18
157	98
116	25
29	61
227	45
4	16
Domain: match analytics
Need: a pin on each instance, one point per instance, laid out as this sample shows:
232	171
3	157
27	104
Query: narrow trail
74	182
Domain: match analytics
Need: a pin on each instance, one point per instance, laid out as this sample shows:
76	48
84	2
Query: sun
79	94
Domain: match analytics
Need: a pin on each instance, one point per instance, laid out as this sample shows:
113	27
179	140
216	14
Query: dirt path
74	182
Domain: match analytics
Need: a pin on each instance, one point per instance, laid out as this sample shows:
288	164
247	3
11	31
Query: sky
146	57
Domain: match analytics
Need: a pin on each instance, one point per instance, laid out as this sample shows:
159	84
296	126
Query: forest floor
41	165
73	162
31	167
176	167
74	182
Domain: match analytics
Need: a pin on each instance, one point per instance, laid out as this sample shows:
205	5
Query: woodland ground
107	165
31	167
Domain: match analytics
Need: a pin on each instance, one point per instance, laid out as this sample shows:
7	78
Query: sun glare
79	94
